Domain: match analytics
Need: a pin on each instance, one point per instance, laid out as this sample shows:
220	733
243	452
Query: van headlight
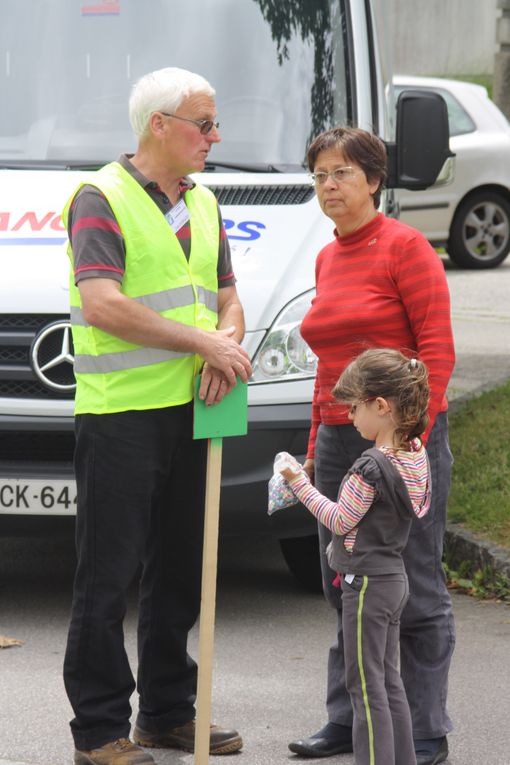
284	355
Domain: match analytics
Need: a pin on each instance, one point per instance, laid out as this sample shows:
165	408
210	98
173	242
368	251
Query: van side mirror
422	141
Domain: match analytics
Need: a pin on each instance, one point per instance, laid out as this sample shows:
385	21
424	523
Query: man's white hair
163	91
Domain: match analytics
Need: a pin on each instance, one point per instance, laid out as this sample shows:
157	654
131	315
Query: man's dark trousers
141	481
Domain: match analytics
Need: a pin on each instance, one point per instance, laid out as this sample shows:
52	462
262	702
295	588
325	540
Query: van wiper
256	167
44	164
86	164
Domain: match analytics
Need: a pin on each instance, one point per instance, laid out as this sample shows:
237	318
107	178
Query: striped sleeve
315	422
95	236
226	276
340	517
413	466
423	288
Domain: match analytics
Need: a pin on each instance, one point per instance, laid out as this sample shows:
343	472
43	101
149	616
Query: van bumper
42	447
248	466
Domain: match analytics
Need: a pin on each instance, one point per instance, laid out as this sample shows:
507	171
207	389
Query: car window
459	120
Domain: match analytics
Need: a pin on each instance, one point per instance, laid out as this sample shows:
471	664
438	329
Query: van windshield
67	66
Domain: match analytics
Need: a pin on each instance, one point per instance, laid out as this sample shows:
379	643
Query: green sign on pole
228	418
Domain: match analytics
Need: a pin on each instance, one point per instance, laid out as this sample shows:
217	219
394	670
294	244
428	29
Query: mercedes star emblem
53	357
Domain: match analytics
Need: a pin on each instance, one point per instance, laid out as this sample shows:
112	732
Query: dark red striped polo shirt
97	241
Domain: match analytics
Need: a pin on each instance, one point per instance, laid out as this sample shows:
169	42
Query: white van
282	76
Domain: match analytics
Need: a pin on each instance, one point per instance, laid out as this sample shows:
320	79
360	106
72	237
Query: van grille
36	446
262	195
17	378
29	321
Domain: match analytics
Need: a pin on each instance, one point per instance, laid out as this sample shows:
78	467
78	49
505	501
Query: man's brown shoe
120	752
183	737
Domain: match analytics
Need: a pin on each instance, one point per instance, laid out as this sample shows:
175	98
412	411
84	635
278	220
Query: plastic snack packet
286	460
280	495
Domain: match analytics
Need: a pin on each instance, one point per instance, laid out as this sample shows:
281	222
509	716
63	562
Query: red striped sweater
382	286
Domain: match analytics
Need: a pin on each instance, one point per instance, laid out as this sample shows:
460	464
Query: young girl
384	490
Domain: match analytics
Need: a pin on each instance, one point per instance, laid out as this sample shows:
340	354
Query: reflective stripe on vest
162	301
115	362
114	375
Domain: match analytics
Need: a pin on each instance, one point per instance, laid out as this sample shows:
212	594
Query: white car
470	217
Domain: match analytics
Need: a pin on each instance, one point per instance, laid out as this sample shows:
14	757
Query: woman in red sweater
380	284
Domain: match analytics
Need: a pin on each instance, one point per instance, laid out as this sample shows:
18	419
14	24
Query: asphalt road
269	677
480	303
271	636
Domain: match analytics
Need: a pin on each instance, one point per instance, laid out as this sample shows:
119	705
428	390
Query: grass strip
480	443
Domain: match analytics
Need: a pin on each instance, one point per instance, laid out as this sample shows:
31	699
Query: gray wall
440	36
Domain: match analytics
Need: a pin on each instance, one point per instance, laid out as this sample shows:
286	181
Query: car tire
301	555
480	232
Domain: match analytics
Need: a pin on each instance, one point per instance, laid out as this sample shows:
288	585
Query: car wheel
480	232
302	557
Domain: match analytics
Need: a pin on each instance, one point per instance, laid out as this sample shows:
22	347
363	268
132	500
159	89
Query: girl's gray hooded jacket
384	530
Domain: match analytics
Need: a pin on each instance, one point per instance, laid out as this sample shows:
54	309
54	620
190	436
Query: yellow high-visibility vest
113	375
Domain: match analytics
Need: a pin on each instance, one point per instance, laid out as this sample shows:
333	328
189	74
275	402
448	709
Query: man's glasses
205	126
340	175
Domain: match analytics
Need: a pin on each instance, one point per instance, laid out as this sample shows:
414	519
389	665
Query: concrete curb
457	400
463	545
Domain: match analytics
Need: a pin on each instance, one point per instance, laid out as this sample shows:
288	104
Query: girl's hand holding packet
287	465
280	493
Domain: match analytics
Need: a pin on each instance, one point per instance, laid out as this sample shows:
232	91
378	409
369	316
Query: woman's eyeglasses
340	175
205	126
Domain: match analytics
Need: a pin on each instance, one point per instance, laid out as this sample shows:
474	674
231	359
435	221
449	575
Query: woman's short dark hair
357	145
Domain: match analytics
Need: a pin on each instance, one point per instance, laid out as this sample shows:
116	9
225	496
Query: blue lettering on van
27	241
243	231
247	227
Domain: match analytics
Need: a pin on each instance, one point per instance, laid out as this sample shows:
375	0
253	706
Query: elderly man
153	300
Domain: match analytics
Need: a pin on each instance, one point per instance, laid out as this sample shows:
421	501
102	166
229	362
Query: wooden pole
227	418
208	604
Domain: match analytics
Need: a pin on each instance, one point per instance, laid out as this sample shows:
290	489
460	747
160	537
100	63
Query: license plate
37	496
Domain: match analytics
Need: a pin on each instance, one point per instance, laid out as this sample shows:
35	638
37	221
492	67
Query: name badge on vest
178	215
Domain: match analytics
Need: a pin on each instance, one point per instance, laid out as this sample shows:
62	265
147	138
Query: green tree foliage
311	19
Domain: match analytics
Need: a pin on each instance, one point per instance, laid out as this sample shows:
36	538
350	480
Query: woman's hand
309	468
